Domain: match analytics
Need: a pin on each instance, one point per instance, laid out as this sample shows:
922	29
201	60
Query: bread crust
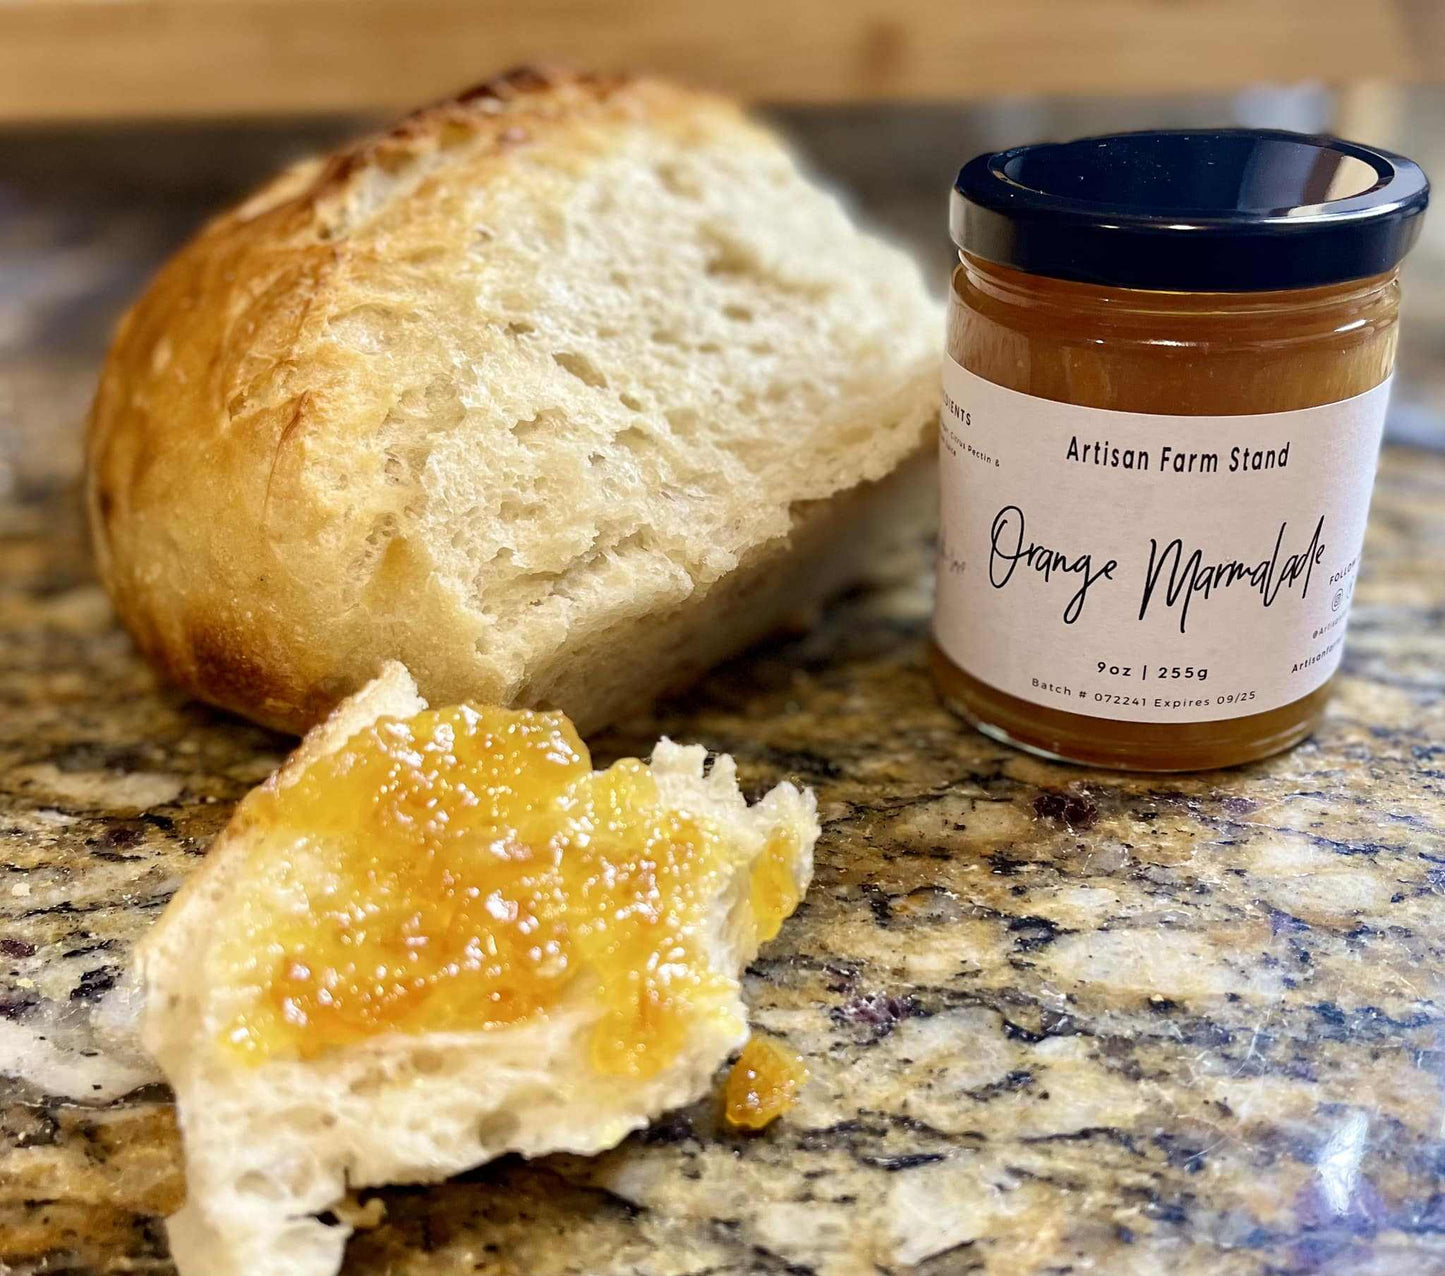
270	1144
212	479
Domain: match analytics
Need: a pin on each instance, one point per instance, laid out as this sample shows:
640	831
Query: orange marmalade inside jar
1168	357
466	870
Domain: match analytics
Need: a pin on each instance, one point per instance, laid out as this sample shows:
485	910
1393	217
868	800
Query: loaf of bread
558	393
271	1143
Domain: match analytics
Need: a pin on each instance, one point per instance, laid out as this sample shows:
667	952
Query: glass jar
1168	361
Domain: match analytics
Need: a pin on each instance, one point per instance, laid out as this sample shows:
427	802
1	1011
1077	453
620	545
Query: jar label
1149	568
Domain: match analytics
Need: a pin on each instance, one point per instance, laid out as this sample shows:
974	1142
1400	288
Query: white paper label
1144	567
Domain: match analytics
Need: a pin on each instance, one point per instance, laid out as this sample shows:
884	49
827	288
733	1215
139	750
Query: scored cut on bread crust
558	392
269	1146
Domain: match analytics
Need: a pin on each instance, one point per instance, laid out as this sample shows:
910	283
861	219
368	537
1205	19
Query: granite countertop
1058	1020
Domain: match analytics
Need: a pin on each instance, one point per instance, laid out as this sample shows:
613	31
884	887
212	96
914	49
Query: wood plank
93	59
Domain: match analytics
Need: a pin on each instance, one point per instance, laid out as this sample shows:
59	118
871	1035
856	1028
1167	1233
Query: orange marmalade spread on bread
763	1083
463	870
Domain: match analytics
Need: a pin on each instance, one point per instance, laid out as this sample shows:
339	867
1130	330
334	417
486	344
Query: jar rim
1216	210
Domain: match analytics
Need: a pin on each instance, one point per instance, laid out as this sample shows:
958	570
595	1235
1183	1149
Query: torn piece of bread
559	393
494	949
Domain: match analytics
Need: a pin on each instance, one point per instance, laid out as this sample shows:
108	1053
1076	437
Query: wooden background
146	59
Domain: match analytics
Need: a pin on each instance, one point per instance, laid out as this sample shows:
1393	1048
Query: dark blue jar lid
1189	210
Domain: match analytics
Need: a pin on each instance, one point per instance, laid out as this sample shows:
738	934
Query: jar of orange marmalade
1169	355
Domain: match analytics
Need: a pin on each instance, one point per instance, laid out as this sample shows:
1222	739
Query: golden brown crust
249	500
202	379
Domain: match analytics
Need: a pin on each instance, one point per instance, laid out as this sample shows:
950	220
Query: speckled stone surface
1057	1020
